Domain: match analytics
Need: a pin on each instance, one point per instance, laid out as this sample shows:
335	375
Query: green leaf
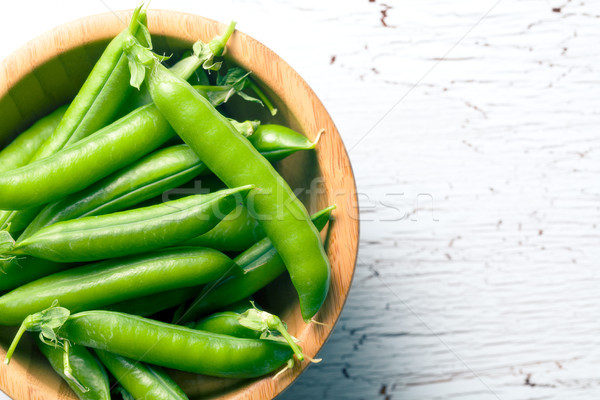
139	58
249	98
48	322
137	70
201	50
135	21
235	76
240	80
219	97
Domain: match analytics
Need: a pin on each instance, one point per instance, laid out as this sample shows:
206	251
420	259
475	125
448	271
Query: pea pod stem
46	322
218	44
13	345
262	96
252	322
201	56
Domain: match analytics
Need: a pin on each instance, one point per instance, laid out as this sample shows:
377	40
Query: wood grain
26	93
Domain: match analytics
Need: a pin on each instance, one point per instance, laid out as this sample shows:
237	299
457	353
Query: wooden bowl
48	71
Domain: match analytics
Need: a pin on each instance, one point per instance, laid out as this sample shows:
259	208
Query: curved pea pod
175	346
159	343
283	217
18	271
276	142
115	280
258	266
140	380
20	151
155	342
87	377
130	232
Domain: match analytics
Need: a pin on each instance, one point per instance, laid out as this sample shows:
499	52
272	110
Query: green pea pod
130	232
282	216
20	151
158	343
115	280
140	380
258	266
86	371
18	271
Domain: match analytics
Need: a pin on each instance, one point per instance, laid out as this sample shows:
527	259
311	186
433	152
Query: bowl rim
99	27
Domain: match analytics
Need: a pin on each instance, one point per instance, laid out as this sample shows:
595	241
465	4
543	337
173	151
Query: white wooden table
473	128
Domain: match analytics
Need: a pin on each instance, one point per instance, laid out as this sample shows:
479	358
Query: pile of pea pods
108	273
